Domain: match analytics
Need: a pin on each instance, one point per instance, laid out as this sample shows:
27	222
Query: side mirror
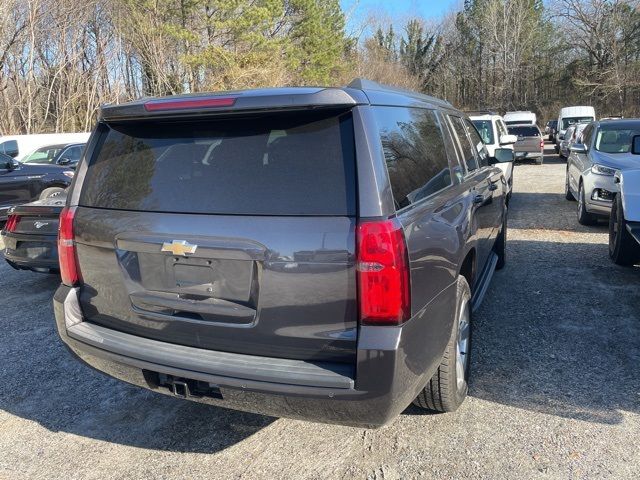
64	161
579	148
502	155
508	139
6	165
635	145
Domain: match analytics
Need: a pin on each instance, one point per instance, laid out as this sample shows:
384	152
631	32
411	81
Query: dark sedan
30	235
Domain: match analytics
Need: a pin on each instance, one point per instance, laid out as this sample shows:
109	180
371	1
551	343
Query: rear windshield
302	164
524	131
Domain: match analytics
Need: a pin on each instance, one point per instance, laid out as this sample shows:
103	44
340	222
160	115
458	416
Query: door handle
493	187
478	199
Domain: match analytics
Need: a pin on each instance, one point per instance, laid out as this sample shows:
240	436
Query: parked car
570	116
520	118
530	144
30	235
592	164
551	130
624	221
63	154
22	183
19	146
187	249
565	143
494	134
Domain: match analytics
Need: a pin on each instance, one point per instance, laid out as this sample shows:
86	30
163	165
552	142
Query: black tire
584	217
443	392
539	161
50	192
500	247
623	248
557	149
567	189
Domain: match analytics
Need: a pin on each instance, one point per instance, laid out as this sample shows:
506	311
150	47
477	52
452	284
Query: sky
398	11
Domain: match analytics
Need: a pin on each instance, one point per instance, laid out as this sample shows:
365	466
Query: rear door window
415	153
286	164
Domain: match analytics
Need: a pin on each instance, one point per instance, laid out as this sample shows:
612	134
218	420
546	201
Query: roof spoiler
274	99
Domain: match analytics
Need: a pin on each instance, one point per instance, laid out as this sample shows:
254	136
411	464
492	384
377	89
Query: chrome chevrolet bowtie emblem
179	247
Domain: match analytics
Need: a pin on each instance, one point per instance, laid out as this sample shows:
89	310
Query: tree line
61	59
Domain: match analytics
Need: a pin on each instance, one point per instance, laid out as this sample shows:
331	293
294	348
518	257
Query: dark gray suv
305	252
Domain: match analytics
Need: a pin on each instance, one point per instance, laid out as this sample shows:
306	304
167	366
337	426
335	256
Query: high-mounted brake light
69	269
12	223
383	273
189	103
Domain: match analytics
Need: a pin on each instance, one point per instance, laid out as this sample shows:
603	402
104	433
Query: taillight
189	103
383	273
12	223
69	269
542	144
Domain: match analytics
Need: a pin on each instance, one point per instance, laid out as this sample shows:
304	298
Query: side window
468	152
587	135
10	147
481	150
73	153
415	153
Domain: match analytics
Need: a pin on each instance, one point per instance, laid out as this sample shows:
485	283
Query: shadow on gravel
559	333
43	383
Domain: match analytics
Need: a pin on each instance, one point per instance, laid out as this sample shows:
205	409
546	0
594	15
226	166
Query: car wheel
584	217
567	189
51	192
557	149
623	249
500	247
539	161
448	387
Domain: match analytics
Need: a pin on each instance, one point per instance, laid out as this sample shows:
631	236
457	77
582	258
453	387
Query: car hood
619	161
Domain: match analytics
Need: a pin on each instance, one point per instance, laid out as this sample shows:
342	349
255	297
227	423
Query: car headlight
602	170
69	173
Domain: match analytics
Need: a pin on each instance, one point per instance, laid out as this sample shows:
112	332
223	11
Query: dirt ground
555	388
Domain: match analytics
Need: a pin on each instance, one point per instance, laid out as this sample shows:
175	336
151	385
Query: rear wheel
51	192
623	249
584	217
448	387
539	161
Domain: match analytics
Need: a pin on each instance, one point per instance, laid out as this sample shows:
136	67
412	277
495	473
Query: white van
570	116
520	118
19	146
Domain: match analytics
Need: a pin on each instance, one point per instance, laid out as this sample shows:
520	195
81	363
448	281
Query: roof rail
365	84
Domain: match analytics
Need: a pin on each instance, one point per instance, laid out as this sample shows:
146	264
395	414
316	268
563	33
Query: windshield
485	129
568	121
524	131
286	164
614	140
43	155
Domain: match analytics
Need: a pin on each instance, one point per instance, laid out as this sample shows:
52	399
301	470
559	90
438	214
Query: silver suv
603	149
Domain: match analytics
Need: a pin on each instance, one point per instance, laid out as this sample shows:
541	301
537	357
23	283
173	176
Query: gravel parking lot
555	391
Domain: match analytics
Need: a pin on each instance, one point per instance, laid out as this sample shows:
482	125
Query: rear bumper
392	368
520	155
20	252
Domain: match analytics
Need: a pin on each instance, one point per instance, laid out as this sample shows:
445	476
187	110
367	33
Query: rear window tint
302	164
524	131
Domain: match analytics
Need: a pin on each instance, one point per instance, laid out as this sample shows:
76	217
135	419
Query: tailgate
234	235
527	144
